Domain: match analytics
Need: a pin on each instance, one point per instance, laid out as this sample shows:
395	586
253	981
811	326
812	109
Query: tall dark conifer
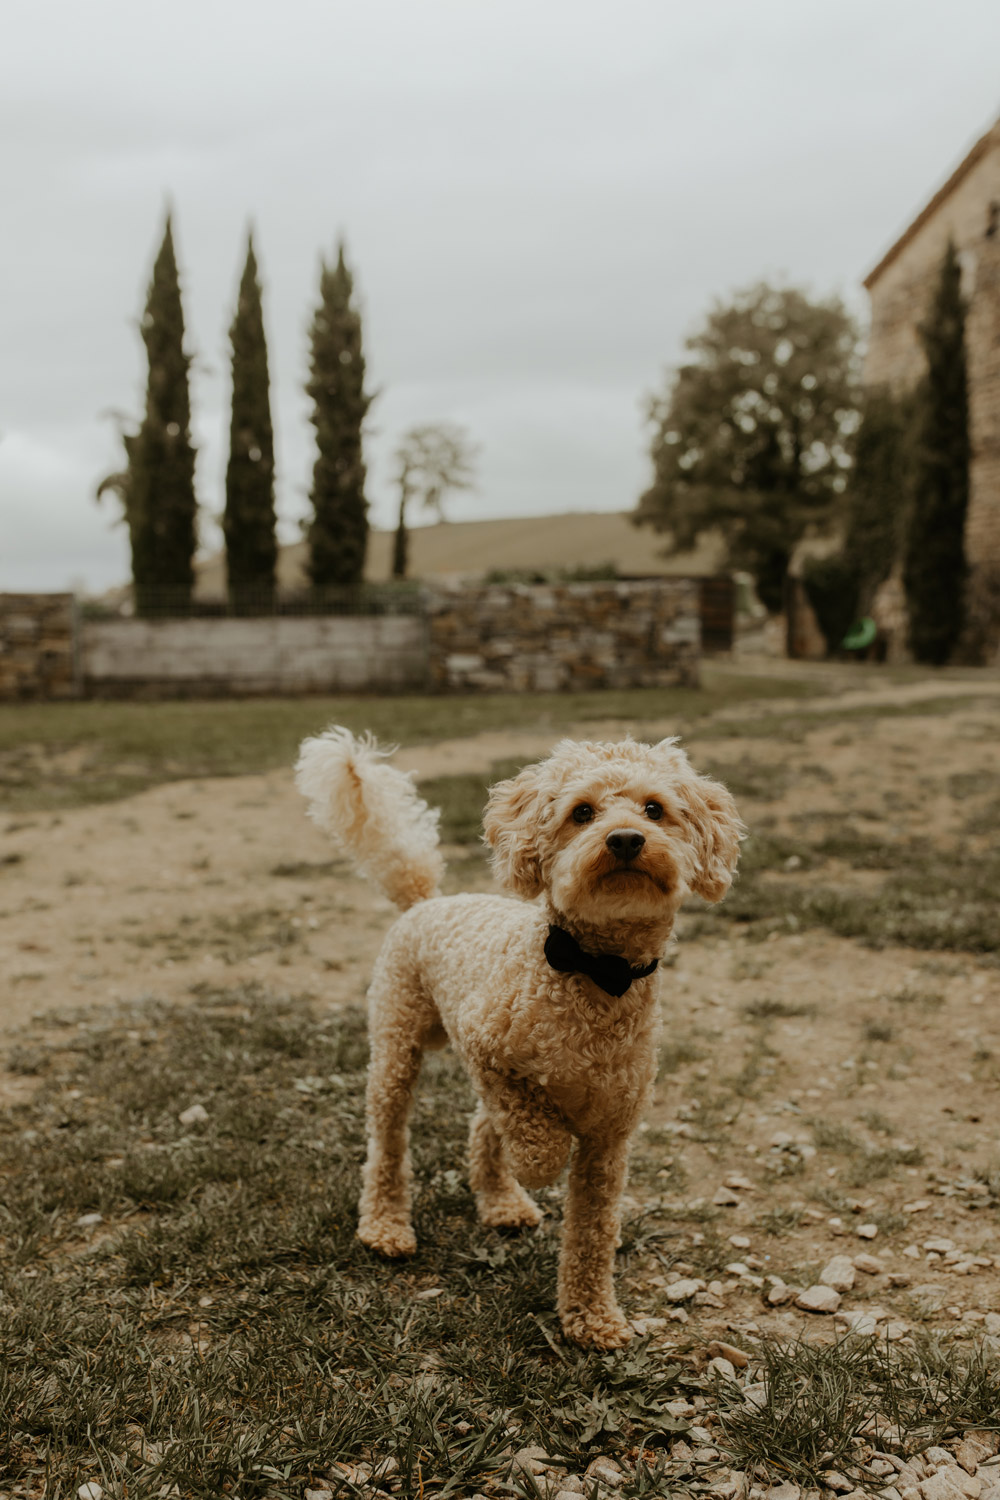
248	523
338	532
934	569
160	503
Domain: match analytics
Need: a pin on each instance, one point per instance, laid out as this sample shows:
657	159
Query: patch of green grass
817	1401
942	902
55	755
462	800
223	1328
771	1009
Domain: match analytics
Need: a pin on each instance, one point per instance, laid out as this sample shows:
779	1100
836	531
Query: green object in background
860	635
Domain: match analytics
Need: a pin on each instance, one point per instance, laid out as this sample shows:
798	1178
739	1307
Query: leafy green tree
338	532
249	522
934	567
752	439
157	486
431	460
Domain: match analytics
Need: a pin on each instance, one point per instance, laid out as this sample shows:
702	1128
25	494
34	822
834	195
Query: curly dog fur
602	840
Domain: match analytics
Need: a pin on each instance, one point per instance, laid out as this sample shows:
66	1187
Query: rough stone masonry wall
545	638
900	292
37	647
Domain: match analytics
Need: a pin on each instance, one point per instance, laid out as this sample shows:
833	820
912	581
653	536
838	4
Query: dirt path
837	1086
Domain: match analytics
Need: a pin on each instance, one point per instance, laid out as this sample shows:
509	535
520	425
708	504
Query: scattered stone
779	1293
195	1114
680	1452
940	1247
701	1436
606	1471
531	1461
912	1252
836	1224
931	1298
857	1322
992	1324
91	1490
881	1467
950	1483
384	1470
428	1293
870	1264
740	1241
318	1495
679	1409
463	1428
755	1395
918	1206
786	1491
737	1268
87	1221
722	1369
741	1184
564	1493
866	1231
971	1454
719	1350
839	1483
838	1273
572	1484
725	1198
819	1299
895	1330
682	1290
899	1278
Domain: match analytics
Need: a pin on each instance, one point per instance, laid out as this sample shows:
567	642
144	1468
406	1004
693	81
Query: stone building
965	209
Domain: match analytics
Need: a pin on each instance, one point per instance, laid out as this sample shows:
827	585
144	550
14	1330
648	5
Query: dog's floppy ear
716	829
510	827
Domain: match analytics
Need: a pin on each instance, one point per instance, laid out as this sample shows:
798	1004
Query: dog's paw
597	1330
508	1211
392	1237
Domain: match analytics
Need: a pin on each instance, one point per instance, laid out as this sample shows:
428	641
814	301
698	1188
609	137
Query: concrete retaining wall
312	654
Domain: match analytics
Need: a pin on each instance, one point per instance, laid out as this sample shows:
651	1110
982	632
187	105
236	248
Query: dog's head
613	831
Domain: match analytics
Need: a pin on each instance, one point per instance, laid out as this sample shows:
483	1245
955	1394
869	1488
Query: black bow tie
613	973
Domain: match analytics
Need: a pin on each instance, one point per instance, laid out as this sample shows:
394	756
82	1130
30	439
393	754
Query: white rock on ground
838	1273
867	1231
91	1490
680	1291
818	1299
607	1471
870	1264
195	1114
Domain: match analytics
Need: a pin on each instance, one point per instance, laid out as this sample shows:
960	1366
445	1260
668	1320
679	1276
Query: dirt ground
818	1097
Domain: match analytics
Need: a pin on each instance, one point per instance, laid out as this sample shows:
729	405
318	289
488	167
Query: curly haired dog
550	1001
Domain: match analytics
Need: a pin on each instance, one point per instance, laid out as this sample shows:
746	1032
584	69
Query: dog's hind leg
402	1023
500	1198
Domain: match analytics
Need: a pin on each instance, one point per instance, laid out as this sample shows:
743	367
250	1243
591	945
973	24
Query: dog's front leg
588	1309
536	1139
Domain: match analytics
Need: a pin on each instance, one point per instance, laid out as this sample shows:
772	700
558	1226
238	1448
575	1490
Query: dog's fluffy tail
372	812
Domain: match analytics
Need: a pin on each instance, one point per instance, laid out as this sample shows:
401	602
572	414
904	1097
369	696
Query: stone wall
37	656
277	655
574	636
967	211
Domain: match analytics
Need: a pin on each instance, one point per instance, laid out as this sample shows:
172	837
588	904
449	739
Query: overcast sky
540	198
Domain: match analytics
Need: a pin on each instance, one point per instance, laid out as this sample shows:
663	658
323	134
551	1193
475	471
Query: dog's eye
583	814
654	810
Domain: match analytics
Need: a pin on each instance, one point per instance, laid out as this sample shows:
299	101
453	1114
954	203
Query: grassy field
186	1303
64	755
184	1307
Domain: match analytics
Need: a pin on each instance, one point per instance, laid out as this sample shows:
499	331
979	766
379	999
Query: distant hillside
453	549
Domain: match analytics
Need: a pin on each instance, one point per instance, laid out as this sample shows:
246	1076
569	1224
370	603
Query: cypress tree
249	523
934	568
338	532
160	505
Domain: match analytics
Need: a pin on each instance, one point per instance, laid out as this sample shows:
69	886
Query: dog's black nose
625	843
